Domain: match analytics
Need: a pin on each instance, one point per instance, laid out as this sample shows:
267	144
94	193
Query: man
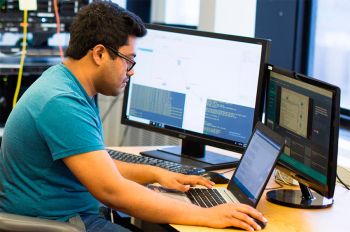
53	162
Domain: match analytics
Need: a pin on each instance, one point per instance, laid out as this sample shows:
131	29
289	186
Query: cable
121	143
106	114
343	183
58	28
274	188
232	169
109	109
23	54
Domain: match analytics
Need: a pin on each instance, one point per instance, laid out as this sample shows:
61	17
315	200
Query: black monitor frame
193	150
305	198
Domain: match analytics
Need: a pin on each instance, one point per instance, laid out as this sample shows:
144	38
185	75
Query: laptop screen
256	165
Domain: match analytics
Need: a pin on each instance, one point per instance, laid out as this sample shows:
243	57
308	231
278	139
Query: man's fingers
197	180
246	222
246	209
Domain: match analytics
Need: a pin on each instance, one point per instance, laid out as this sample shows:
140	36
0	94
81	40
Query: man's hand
237	215
180	182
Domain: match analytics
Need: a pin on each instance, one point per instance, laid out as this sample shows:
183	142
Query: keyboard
205	198
171	166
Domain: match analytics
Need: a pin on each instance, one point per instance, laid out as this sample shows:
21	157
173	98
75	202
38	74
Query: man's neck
81	69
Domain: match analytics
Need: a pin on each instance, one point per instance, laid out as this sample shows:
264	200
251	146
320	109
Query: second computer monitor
204	88
306	112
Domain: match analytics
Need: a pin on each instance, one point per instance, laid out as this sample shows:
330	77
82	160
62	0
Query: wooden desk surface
287	219
335	218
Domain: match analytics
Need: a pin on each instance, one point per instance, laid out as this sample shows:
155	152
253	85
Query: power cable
227	171
23	54
110	107
343	183
274	188
126	130
58	28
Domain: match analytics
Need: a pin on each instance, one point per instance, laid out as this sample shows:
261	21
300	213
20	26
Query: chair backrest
13	222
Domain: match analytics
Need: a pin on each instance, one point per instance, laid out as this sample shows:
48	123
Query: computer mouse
217	178
260	223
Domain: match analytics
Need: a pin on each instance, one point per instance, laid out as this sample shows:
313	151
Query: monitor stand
302	198
194	154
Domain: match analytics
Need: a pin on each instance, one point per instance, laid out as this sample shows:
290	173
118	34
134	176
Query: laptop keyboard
171	166
205	197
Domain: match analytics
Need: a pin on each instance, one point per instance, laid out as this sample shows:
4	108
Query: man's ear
98	54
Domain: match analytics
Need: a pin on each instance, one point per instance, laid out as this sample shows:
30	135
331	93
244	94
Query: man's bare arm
140	173
145	174
97	171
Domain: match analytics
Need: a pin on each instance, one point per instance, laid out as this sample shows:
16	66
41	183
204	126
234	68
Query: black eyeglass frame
121	55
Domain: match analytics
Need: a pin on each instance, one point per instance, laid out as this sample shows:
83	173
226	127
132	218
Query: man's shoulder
57	76
55	81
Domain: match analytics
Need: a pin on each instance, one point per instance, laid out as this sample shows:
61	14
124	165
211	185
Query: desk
287	219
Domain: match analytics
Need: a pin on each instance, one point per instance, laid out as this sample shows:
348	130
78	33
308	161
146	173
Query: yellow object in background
23	53
28	5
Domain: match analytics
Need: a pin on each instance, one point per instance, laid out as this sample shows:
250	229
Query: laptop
250	178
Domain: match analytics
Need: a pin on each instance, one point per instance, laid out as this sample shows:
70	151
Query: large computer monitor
204	88
306	112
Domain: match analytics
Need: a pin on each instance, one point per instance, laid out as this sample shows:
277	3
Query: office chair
16	223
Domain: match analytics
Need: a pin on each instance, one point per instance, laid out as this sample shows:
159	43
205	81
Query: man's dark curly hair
102	23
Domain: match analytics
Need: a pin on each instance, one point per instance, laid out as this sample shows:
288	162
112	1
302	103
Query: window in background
182	12
121	3
330	57
330	46
179	12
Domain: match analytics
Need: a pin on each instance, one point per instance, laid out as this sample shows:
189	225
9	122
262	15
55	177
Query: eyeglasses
131	63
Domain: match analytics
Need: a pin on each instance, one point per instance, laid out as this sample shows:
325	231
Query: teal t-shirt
55	118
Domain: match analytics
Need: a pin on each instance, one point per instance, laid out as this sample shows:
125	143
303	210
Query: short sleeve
70	125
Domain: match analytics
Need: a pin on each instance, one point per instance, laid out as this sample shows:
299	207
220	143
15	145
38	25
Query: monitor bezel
194	136
327	189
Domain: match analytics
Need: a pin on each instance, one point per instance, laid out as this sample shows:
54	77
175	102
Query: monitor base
210	161
295	199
